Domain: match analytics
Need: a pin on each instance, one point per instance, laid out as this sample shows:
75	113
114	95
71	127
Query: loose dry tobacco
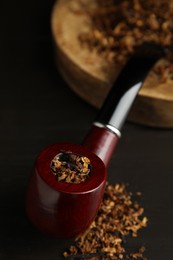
118	27
118	218
70	167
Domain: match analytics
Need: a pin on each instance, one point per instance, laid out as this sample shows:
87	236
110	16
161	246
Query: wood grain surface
91	76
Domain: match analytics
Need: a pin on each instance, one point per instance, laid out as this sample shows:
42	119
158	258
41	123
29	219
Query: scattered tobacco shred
118	27
70	167
119	217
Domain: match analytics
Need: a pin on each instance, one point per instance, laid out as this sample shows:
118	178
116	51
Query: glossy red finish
61	209
101	142
66	210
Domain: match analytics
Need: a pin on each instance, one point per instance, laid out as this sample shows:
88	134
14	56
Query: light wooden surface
91	76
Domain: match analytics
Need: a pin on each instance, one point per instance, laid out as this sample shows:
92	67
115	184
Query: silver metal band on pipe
108	127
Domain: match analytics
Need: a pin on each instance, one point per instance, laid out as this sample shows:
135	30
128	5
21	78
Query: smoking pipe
67	209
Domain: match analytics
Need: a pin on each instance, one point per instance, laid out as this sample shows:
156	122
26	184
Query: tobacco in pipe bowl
66	209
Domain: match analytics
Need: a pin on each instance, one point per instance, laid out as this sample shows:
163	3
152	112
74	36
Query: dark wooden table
37	109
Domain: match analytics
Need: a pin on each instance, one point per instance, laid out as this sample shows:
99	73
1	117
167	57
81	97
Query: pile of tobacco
118	26
119	217
70	167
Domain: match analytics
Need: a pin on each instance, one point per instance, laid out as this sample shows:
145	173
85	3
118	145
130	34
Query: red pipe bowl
62	209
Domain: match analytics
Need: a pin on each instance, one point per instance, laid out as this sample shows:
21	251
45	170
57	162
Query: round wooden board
91	76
